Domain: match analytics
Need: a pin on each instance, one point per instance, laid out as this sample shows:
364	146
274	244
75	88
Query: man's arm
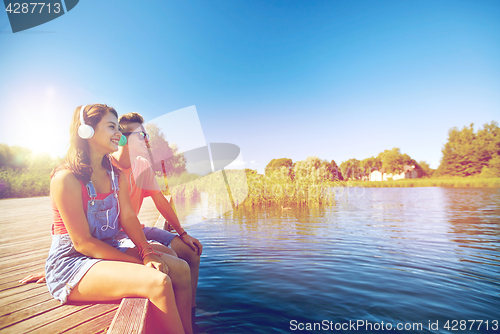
168	213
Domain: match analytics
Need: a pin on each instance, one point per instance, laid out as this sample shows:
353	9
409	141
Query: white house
408	172
377	175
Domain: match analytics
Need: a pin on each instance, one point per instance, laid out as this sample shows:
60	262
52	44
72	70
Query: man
130	159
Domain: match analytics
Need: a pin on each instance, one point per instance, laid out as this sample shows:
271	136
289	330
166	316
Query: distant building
378	175
409	172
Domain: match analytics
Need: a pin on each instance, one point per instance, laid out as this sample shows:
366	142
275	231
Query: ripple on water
392	255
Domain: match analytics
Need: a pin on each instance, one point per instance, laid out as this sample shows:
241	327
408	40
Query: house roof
407	168
381	170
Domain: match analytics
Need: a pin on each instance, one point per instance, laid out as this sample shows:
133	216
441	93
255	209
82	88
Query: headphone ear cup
85	131
123	141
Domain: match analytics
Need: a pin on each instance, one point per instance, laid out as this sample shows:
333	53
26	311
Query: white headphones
84	131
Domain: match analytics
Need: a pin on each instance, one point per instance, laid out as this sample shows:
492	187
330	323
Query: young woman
85	262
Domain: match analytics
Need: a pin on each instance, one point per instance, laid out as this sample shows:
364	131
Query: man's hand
194	243
38	278
156	262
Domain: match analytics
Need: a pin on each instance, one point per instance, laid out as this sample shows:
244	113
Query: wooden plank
12	261
27	255
12	280
23	266
14	276
30	308
35	244
24	303
41	319
29	290
130	317
97	325
29	312
11	237
77	319
15	291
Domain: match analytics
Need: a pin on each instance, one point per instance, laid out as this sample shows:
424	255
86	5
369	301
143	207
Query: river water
423	260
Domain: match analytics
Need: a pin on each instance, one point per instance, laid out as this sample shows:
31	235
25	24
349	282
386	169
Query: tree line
24	174
470	153
466	153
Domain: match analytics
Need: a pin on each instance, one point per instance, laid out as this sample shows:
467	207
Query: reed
253	189
279	189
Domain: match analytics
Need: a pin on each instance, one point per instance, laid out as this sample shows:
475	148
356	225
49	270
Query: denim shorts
65	267
151	233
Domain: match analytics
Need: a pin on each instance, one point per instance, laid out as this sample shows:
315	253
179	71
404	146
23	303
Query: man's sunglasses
142	134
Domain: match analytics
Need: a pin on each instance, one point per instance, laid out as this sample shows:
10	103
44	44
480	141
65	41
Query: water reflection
392	255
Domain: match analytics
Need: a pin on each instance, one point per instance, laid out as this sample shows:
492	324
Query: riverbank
448	182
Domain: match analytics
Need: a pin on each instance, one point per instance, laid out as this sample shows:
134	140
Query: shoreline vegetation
471	159
261	188
276	189
445	182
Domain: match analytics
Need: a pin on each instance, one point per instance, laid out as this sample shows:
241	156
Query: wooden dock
24	245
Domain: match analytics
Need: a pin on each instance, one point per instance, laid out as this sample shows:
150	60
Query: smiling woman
86	262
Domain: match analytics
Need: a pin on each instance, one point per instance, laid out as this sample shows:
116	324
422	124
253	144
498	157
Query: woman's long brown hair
78	157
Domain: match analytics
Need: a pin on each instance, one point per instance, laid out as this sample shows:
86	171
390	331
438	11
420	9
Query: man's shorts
151	233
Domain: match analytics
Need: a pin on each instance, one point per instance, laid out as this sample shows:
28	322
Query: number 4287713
32	7
461	325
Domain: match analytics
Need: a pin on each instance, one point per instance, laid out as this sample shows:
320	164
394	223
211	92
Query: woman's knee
159	285
183	267
180	271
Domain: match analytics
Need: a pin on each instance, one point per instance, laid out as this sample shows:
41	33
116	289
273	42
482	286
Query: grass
264	190
256	189
279	190
448	182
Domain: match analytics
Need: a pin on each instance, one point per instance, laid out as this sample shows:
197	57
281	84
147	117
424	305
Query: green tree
314	170
493	168
276	164
334	170
250	172
467	153
15	157
426	169
175	163
4	156
23	174
351	169
369	165
393	161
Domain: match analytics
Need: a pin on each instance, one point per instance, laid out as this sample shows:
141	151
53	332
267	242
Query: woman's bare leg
185	252
181	281
111	280
163	249
179	273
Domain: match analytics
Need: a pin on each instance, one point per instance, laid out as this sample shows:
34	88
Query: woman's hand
156	262
38	278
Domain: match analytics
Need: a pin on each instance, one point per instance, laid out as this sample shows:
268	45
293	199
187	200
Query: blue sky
335	79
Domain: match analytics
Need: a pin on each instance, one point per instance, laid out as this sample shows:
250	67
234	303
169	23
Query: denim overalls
65	267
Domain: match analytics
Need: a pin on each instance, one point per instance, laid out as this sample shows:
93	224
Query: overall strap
114	182
91	191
